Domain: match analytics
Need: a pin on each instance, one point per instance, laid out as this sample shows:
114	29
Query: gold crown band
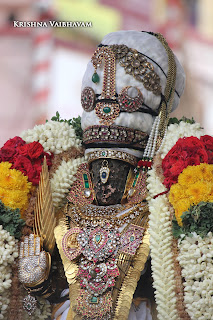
112	154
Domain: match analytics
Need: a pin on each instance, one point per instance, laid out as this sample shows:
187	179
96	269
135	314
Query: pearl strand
155	138
148	148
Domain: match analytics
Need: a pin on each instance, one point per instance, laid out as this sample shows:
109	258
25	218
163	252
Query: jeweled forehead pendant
107	110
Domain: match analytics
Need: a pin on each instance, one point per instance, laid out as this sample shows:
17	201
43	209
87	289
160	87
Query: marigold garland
195	184
14	187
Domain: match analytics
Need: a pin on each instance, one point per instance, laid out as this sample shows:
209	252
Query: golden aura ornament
45	220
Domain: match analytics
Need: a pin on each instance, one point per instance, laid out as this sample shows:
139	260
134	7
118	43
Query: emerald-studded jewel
107	109
95	78
94	299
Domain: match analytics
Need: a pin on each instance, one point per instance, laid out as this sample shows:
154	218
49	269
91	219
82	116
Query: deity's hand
34	264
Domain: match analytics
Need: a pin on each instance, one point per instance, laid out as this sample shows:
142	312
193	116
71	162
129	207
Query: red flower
34	174
33	150
7	154
187	151
208	143
14	142
27	158
23	164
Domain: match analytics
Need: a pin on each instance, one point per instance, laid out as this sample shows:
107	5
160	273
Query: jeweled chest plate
97	244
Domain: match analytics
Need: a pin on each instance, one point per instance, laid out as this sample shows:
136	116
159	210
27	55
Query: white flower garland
161	229
176	131
8	253
154	184
54	136
63	178
195	258
161	253
4	302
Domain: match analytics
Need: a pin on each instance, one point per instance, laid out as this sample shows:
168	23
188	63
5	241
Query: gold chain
170	86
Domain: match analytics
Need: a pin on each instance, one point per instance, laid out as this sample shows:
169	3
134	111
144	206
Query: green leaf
199	219
176	229
11	220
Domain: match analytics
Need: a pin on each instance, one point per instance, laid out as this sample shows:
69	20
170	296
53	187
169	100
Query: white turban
150	46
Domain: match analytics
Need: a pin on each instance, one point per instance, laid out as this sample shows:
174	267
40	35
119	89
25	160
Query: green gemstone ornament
95	78
106	109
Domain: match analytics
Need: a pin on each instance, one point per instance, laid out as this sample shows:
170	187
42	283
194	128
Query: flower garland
161	240
27	158
195	258
8	253
14	187
176	131
20	166
194	185
186	152
63	178
54	136
161	253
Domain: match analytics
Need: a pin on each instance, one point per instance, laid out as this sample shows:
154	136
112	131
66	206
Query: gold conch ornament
45	220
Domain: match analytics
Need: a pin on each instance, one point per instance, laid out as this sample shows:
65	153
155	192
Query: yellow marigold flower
199	191
176	193
180	207
12	178
189	176
207	171
195	184
14	187
5	166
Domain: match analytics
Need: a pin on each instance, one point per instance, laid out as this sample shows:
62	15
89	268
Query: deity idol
131	84
129	193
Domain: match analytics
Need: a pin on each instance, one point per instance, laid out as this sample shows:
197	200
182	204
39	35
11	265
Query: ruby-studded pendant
97	278
131	239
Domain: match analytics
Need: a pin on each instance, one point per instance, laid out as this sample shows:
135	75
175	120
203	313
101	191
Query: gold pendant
107	112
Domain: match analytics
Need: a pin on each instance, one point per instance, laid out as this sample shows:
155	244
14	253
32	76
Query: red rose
14	142
34	174
7	154
208	143
23	150
186	151
23	164
33	150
